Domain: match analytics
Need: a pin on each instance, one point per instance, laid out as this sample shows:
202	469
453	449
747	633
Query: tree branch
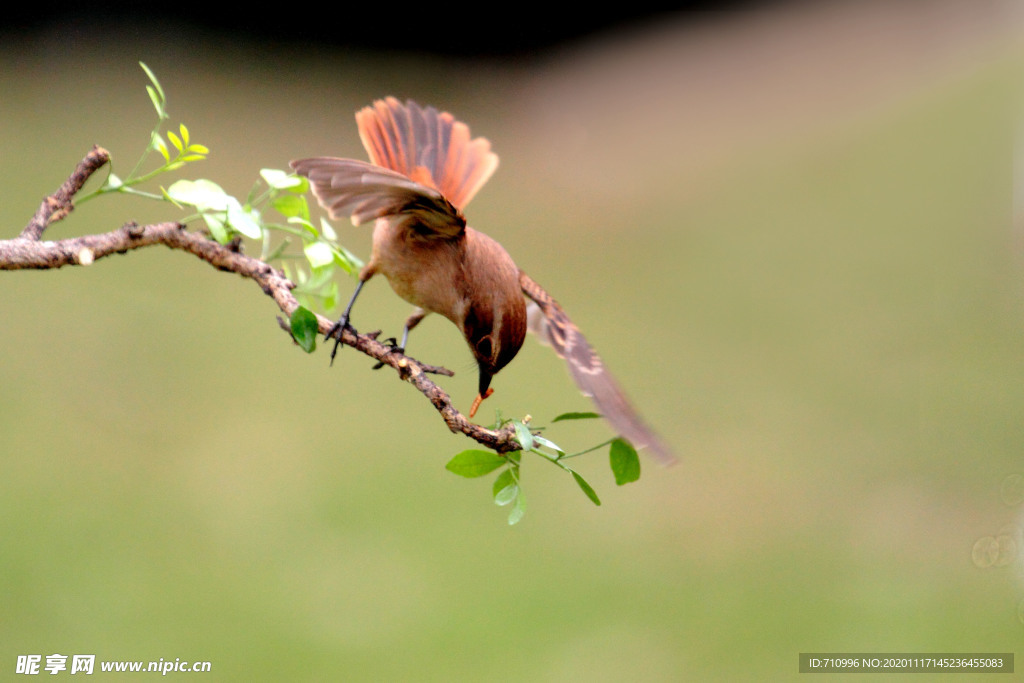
28	251
59	204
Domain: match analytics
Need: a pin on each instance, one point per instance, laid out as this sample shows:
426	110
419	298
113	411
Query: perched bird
424	169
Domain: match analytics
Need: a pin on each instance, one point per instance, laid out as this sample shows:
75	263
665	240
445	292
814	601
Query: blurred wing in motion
553	327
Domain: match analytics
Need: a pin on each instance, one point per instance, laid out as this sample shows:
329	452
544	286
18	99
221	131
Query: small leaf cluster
507	488
308	253
186	151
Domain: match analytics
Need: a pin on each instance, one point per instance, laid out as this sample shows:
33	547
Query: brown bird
425	169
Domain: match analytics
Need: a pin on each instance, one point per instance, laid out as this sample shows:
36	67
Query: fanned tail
428	146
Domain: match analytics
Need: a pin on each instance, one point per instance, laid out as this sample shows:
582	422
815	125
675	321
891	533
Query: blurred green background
793	236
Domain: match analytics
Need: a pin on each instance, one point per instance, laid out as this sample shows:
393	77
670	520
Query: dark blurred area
502	31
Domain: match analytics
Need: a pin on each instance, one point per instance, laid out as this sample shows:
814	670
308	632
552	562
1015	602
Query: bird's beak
484	387
478	400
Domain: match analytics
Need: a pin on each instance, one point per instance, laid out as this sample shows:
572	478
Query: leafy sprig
309	253
507	488
186	151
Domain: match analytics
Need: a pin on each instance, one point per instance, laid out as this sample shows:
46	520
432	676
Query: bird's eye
483	347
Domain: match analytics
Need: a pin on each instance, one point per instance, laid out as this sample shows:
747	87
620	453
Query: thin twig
59	204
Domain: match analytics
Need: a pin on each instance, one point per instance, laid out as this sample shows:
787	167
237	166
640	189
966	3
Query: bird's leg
393	346
412	321
342	323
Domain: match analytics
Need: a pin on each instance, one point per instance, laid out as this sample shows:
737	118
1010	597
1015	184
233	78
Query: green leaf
541	441
184	134
306	225
281	180
175	140
304	328
310	290
346	260
202	194
505	488
159	145
506	495
156	93
219	209
503	480
154	97
625	462
576	416
218	228
243	220
318	254
475	463
328	294
199	149
591	494
518	510
315	280
291	205
169	198
523	436
326	229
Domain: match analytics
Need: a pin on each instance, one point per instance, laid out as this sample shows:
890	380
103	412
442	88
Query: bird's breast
425	271
470	279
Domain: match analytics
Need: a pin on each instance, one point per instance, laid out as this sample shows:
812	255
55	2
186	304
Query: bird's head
494	335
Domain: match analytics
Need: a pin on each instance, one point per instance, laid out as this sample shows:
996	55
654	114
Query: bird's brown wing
363	192
428	146
553	327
